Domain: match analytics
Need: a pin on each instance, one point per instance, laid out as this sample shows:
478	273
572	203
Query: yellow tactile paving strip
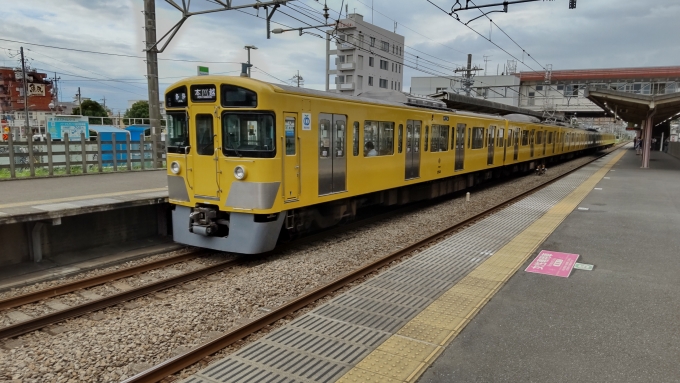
406	355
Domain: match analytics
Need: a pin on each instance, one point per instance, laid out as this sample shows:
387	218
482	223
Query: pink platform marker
553	263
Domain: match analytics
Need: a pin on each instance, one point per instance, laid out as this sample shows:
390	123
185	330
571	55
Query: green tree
139	109
91	109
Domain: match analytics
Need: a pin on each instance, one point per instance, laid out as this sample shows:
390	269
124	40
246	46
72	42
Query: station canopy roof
472	104
635	107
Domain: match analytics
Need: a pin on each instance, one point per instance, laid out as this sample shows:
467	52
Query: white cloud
603	33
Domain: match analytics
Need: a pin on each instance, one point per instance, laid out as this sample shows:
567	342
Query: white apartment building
365	58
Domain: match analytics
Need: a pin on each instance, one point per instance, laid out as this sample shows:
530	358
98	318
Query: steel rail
94	281
75	311
179	362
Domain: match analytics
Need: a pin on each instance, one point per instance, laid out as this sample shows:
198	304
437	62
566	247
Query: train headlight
240	172
174	167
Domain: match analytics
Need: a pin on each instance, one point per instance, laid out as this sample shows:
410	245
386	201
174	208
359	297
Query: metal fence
75	156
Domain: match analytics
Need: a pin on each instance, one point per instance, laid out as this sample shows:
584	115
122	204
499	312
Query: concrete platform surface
48	198
616	323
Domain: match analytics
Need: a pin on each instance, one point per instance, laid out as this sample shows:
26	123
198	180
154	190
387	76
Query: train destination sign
204	93
553	263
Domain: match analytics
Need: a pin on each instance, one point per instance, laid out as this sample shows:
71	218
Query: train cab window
525	137
427	136
248	135
380	135
178	132
400	142
205	138
355	139
500	143
235	96
477	138
290	135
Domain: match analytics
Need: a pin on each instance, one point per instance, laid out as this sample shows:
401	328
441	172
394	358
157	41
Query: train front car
224	167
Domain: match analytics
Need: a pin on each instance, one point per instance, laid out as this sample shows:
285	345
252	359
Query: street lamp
248	48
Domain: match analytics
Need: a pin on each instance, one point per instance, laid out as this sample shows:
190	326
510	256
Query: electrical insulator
572	4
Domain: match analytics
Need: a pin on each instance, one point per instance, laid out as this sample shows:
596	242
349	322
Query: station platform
36	199
465	310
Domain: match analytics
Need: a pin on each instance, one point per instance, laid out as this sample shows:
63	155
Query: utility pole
152	74
486	60
297	78
248	48
80	105
24	79
467	80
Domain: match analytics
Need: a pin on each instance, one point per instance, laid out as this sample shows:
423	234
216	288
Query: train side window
289	123
477	138
434	138
324	137
510	137
443	138
205	138
378	138
500	143
525	137
550	137
539	137
427	136
355	139
386	147
469	138
400	143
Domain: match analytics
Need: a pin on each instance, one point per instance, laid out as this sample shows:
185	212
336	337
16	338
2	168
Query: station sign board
57	126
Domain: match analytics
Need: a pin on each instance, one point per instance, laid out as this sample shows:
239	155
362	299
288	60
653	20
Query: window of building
370	80
380	135
383	83
477	138
384	45
560	88
372	41
383	64
361	41
340	79
392	85
539	87
370	61
392	67
341	59
525	137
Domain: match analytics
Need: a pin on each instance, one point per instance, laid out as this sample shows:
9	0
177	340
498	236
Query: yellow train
250	161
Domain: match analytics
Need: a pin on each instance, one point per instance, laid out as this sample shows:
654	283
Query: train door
291	158
515	155
332	160
491	136
413	149
460	147
205	158
531	142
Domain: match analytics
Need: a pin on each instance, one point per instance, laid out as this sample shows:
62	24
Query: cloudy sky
597	34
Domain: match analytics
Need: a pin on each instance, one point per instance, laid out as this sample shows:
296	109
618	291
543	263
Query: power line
117	54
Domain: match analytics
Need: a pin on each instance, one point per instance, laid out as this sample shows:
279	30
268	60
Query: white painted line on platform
56	206
607	178
584	208
598	188
96	201
82	197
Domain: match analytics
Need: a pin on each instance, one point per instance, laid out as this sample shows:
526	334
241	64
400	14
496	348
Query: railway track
179	362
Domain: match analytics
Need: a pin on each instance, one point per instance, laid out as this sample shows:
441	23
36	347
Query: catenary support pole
152	74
